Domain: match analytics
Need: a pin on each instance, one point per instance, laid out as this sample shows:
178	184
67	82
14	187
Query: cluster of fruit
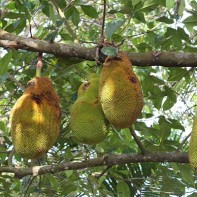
114	97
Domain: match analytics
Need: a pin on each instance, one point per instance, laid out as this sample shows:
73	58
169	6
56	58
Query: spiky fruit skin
35	119
193	146
88	122
120	92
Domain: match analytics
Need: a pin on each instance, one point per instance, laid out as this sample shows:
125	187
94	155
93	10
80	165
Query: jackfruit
120	92
35	119
193	146
88	123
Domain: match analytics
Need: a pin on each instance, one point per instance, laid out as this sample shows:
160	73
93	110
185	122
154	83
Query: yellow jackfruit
35	119
193	146
88	122
120	92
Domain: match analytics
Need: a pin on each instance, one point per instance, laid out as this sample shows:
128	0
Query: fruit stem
39	65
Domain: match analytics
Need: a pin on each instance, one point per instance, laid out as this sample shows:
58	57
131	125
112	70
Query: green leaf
140	16
45	8
148	6
48	11
182	7
169	102
4	62
51	13
113	26
123	189
20	25
169	4
186	173
109	51
194	5
89	11
144	47
176	40
181	32
135	2
2	126
75	16
177	74
51	36
165	19
165	127
176	124
65	36
141	126
13	15
69	11
191	20
152	38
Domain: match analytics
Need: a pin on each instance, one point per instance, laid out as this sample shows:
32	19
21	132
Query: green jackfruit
35	119
88	122
193	146
120	92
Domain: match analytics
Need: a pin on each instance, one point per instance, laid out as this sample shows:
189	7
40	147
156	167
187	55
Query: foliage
169	93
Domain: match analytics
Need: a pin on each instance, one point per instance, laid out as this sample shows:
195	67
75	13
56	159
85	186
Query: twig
102	173
11	154
176	9
138	141
17	82
31	179
30	31
103	23
183	142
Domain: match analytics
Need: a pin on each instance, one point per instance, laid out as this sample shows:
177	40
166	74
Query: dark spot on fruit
118	58
37	98
86	86
31	83
133	79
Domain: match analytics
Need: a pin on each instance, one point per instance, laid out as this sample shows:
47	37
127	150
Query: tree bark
155	58
106	160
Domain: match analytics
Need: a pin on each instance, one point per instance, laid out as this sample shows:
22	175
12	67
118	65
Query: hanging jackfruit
120	92
35	119
88	122
193	146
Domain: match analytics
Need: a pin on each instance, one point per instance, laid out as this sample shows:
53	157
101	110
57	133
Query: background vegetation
150	29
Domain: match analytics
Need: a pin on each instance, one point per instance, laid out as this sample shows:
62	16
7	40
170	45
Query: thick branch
106	160
167	59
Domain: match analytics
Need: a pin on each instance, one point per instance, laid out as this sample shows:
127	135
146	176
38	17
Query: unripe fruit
88	122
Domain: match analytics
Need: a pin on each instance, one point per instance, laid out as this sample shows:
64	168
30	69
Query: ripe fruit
193	146
35	119
88	122
120	92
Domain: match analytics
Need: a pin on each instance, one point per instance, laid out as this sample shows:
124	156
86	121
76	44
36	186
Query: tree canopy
149	159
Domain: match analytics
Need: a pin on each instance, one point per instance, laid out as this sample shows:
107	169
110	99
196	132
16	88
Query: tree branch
106	160
166	59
